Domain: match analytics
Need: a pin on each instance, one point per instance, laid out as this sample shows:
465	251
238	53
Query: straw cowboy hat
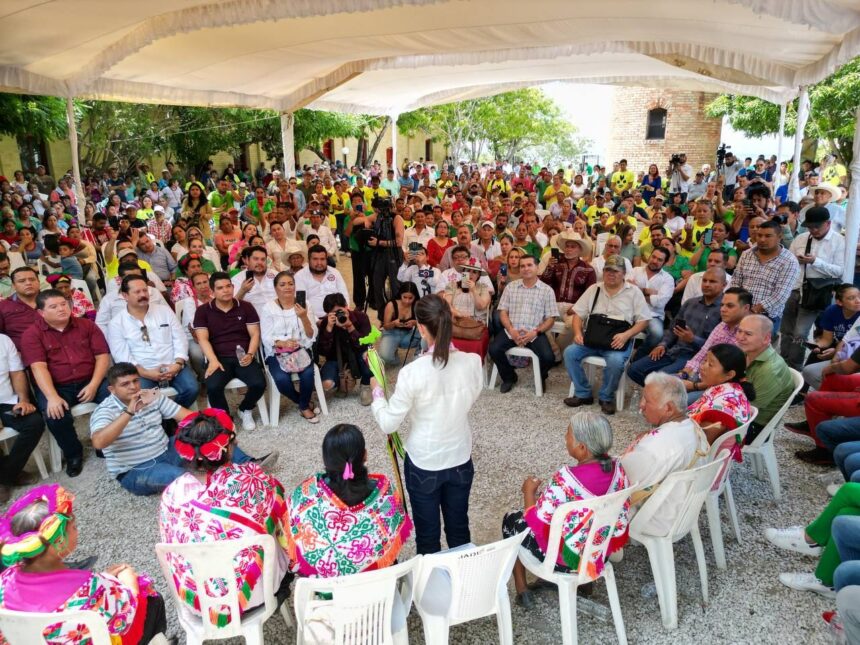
473	264
562	238
835	191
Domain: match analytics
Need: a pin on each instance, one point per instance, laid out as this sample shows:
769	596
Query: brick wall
687	128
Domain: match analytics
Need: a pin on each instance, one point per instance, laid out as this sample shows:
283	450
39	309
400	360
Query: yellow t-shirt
550	195
698	231
832	174
628	219
622	181
593	214
369	194
503	185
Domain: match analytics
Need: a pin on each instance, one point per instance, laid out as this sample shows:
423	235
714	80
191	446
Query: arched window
656	124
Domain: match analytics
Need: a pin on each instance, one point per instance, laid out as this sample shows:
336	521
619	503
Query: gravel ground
516	435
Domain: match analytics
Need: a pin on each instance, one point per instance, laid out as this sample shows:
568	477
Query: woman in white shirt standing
436	391
287	336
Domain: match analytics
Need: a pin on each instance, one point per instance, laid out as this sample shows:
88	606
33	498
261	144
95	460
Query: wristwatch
128	412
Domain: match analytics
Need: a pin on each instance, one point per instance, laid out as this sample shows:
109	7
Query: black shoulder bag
816	294
600	329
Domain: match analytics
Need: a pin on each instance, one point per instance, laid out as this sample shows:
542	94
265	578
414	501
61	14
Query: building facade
650	125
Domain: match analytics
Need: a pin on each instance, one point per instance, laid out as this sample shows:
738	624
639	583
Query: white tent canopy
389	56
376	56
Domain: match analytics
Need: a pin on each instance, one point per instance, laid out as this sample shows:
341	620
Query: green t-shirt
703	260
681	264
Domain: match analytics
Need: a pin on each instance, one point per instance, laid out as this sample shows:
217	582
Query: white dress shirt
437	401
316	290
10	361
166	340
829	255
661	281
261	293
693	289
324	233
113	303
411	235
277	323
655	454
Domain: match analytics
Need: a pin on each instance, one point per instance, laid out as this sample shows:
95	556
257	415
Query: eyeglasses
144	334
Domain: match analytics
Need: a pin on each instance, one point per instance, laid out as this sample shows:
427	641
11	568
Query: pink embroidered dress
327	538
725	404
77	590
237	500
573	483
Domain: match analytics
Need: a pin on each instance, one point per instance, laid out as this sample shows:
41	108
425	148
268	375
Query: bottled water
240	352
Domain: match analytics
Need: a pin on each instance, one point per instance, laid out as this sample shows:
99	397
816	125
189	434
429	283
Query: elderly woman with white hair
595	473
674	442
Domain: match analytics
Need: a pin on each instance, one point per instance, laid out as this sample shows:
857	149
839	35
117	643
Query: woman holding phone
436	391
287	335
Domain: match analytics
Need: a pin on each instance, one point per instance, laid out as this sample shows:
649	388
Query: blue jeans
284	383
155	475
847	458
653	335
185	384
615	362
329	371
394	339
837	431
845	531
432	491
64	429
640	368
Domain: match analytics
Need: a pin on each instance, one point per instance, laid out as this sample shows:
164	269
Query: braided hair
344	445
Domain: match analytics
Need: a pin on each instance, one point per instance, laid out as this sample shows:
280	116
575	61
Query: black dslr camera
675	160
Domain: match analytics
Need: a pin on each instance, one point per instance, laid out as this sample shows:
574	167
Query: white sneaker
832	489
792	539
247	417
806	582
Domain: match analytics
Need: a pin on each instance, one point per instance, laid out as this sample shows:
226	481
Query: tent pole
76	165
802	117
288	142
852	213
393	165
780	142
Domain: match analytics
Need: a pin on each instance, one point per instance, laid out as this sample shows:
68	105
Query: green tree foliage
43	117
510	124
831	116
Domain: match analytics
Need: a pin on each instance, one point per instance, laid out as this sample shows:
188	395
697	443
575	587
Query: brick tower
648	125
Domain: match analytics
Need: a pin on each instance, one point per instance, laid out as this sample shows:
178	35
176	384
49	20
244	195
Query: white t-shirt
10	361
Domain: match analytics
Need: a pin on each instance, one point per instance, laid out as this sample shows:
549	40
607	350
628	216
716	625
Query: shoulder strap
806	252
594	302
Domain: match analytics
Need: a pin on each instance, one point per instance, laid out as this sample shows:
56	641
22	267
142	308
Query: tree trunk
319	153
378	140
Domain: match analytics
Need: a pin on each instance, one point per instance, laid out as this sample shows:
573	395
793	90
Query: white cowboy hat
566	235
835	191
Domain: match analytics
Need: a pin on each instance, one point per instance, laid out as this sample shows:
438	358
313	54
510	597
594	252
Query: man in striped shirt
126	426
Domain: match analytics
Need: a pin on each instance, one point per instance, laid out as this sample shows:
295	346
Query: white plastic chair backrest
770	428
604	512
214	561
600	243
16	260
475	575
361	604
727	441
25	628
695	483
83	286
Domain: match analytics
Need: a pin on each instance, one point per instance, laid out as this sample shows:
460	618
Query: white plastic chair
696	484
7	434
16	260
525	353
83	286
761	451
605	511
214	560
723	486
466	584
235	384
361	604
26	628
275	393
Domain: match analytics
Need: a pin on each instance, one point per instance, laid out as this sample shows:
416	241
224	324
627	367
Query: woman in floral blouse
588	441
725	404
37	533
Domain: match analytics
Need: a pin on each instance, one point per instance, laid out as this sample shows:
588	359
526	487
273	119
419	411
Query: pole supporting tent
802	117
288	141
76	164
852	213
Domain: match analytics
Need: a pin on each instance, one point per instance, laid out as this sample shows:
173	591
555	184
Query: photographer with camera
417	270
679	172
385	244
339	331
729	167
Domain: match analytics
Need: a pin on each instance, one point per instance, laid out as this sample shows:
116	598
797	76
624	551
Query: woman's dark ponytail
343	452
734	360
434	313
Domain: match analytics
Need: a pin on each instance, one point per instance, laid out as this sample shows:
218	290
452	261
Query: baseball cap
615	263
126	252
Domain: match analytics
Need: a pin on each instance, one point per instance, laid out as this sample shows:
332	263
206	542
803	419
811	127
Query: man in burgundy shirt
18	313
569	275
68	358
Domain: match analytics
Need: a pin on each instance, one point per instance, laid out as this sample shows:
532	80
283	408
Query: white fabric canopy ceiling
387	56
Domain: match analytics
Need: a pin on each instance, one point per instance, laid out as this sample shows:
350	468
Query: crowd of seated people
704	289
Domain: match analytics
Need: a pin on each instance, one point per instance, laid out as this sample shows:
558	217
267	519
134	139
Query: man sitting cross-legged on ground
527	311
690	329
127	428
616	299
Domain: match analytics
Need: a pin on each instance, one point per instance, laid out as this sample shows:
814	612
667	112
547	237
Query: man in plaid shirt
527	311
769	272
